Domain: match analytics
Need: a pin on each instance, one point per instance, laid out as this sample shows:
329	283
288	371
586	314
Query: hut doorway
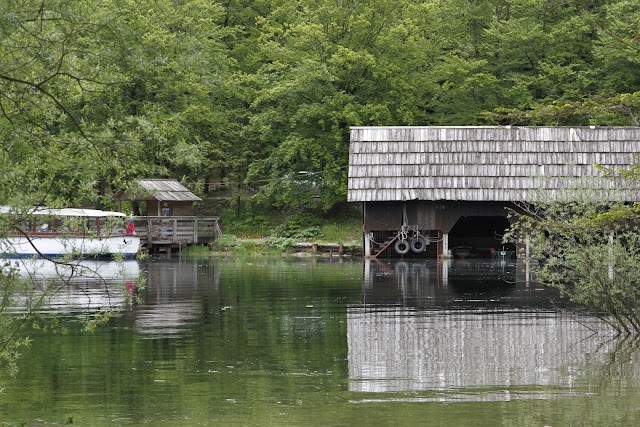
478	236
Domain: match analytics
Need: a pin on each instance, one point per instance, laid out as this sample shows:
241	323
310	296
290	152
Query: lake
323	341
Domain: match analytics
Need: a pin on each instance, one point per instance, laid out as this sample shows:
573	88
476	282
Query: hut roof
162	190
488	163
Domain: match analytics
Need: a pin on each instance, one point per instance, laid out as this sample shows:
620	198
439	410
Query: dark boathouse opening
479	236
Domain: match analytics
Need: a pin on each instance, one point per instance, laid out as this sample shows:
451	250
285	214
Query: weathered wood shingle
161	189
486	163
167	190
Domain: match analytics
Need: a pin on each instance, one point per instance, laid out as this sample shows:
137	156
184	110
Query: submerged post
445	245
367	244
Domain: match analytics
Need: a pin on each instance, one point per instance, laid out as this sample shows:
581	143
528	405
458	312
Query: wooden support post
367	245
445	246
445	272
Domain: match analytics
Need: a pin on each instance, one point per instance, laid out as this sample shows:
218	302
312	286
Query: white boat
77	233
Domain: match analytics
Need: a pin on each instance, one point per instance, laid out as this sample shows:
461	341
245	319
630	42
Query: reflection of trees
260	342
239	297
621	367
608	377
246	330
37	292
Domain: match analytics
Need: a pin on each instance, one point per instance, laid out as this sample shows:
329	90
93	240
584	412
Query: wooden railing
177	230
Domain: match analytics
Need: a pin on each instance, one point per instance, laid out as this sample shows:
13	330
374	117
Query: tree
173	95
590	80
52	154
589	249
47	153
116	92
321	67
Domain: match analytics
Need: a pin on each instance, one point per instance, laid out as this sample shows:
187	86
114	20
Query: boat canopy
41	210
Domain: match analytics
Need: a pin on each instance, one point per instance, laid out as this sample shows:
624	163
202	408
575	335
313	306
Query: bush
283	244
591	253
295	232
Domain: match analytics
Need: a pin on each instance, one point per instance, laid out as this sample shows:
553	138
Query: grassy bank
253	229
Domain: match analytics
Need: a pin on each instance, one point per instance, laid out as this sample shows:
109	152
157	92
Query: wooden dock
162	234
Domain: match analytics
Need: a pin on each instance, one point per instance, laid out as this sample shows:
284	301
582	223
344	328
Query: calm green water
288	341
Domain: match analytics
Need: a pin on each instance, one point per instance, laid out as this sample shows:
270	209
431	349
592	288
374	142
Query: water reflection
431	283
46	271
169	308
430	326
237	341
168	320
76	286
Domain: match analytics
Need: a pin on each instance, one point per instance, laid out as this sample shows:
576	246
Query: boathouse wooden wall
428	215
176	208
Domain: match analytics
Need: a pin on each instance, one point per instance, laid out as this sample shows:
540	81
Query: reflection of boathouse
462	330
399	349
434	191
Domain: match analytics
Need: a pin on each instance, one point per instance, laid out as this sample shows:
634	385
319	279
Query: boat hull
76	246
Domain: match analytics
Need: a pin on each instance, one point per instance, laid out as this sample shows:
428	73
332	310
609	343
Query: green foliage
12	338
283	244
342	230
590	250
265	93
252	221
301	226
263	230
296	233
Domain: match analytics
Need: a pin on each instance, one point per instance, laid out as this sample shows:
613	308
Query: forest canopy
261	93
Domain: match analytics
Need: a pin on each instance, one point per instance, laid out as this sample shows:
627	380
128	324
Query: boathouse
166	219
437	191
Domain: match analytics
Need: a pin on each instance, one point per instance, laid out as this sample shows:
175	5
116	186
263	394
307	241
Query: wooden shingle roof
163	190
488	163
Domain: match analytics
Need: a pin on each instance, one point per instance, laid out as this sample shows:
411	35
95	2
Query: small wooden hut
166	220
450	185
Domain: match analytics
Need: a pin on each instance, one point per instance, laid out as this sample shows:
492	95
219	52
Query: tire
418	244
402	247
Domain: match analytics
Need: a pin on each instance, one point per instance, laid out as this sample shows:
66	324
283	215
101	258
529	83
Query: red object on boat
131	229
